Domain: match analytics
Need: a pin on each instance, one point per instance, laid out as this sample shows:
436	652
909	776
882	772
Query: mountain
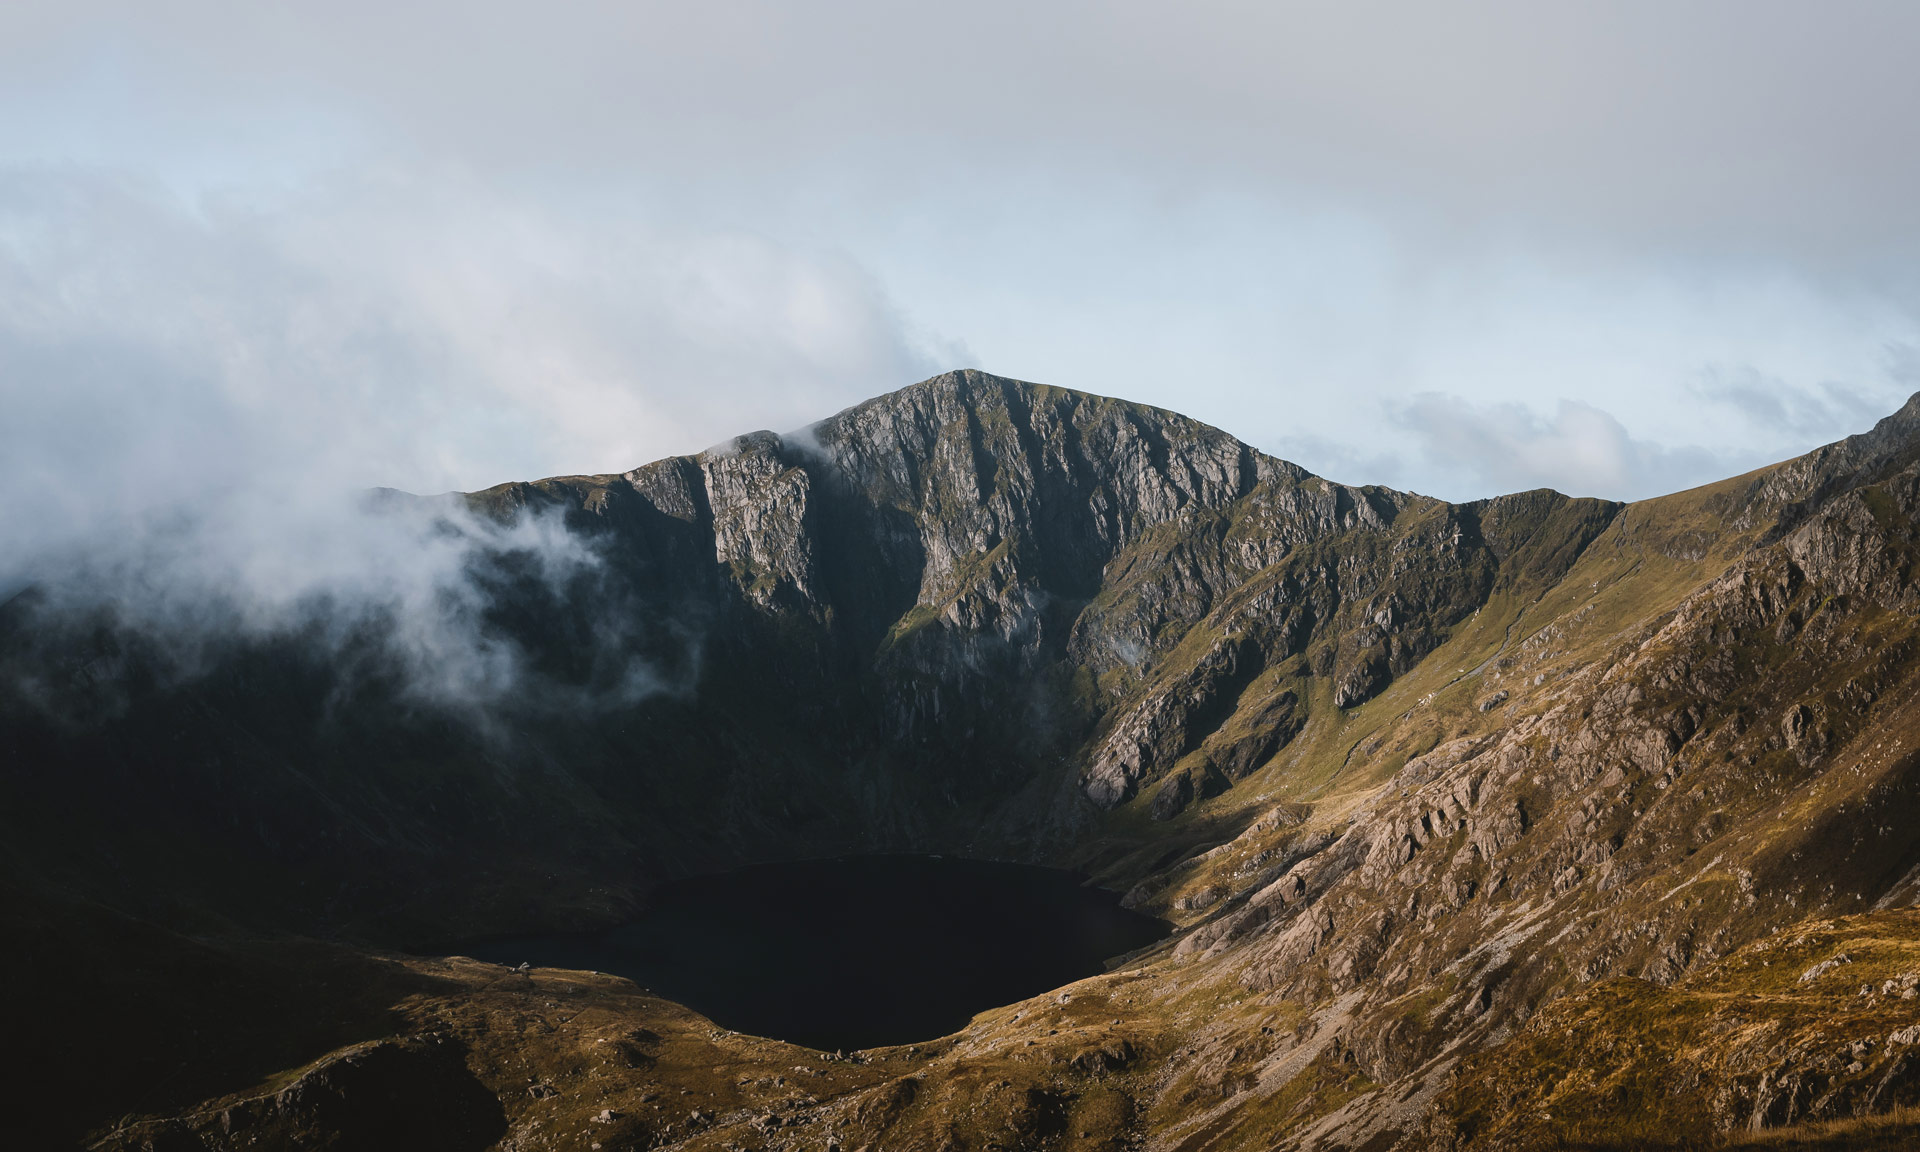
1459	809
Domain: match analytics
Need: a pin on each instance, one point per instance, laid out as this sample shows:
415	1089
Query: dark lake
857	952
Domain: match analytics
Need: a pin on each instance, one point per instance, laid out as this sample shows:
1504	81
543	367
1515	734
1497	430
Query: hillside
1472	819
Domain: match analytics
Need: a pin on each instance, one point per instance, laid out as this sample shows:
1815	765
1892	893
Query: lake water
857	952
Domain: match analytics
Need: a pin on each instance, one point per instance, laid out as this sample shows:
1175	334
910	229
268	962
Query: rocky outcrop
1750	1043
414	1094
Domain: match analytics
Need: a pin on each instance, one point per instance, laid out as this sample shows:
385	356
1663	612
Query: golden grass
1897	1128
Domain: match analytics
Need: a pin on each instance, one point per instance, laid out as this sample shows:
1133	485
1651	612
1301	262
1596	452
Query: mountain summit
973	544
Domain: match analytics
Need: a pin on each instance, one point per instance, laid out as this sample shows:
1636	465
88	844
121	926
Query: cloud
199	393
1828	409
395	590
155	351
1779	129
1581	450
1346	463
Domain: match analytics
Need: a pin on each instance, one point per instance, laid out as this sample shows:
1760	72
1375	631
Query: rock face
1439	796
973	545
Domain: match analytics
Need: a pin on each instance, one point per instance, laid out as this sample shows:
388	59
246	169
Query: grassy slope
1627	1064
1628	577
1632	577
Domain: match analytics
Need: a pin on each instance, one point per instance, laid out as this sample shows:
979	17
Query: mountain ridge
1219	478
1402	773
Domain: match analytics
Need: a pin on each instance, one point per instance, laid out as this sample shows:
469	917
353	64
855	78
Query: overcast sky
1615	248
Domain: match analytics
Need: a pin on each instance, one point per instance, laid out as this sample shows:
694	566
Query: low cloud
429	340
200	396
411	580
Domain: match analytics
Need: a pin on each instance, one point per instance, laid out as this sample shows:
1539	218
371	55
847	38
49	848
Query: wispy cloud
1794	413
1580	449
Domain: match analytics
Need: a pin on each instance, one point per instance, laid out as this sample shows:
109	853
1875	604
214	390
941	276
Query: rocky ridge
974	541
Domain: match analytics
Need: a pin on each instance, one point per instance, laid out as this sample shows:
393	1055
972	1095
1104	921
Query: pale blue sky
1614	248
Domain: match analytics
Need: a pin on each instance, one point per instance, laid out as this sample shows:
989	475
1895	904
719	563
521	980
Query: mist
203	398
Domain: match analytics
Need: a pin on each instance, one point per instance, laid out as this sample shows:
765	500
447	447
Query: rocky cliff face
1415	780
1117	577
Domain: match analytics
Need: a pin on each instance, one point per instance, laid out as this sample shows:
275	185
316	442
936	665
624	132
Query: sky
257	256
